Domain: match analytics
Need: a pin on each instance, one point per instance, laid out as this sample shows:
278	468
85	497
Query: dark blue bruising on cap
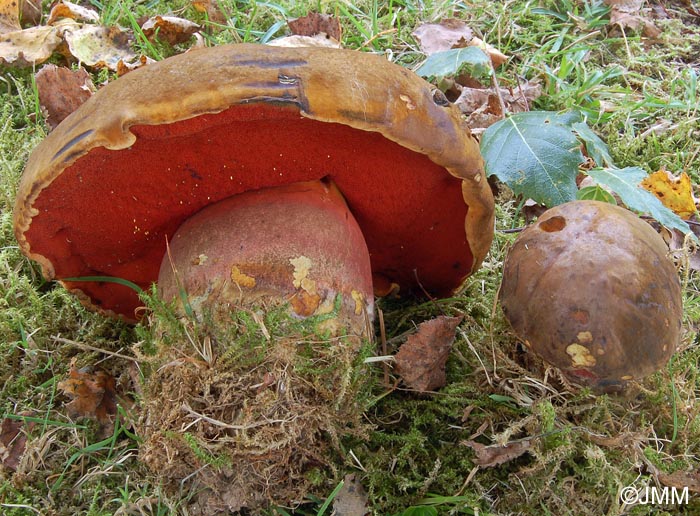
73	141
270	64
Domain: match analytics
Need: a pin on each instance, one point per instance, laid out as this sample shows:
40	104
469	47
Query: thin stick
92	348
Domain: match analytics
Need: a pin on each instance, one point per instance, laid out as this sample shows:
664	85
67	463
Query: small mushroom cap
106	189
590	289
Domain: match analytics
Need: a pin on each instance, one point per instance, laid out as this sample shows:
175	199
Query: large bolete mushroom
105	191
590	289
248	178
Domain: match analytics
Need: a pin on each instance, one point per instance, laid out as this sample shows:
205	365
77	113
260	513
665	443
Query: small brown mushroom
590	289
105	192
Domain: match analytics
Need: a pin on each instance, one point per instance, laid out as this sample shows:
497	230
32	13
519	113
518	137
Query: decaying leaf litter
527	406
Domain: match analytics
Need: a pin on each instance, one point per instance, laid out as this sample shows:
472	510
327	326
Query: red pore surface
112	212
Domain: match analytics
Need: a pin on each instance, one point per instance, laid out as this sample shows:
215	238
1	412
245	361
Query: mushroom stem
296	244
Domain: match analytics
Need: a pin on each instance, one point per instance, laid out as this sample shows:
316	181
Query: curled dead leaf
316	23
171	29
452	33
72	11
92	396
100	47
492	455
29	46
13	440
421	359
61	90
629	14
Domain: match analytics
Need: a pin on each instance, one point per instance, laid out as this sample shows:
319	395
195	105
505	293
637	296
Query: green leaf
595	147
595	193
470	60
536	154
625	183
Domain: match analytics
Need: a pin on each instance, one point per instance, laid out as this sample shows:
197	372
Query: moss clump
246	412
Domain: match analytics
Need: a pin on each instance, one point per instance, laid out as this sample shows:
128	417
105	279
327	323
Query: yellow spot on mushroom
302	265
585	337
580	355
241	279
359	301
409	103
200	259
626	377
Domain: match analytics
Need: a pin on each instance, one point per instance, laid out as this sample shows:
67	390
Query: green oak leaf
536	154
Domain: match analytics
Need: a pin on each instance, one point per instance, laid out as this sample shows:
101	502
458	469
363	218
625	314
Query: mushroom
266	170
590	289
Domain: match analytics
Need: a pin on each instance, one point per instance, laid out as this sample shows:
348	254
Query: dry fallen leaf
316	23
29	46
628	14
676	193
451	33
421	359
352	498
211	9
171	29
13	441
92	396
30	12
681	480
72	11
495	454
319	40
61	90
483	107
100	47
9	16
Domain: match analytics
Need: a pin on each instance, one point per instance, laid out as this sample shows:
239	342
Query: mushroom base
252	414
297	244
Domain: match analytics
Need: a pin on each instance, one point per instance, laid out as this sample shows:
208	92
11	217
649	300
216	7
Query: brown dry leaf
319	40
126	67
628	14
171	29
211	9
30	12
438	37
495	454
683	249
483	107
100	47
9	16
451	33
421	359
93	396
352	498
13	441
29	46
676	193
681	479
316	23
72	11
61	91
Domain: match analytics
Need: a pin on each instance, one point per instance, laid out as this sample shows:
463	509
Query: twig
93	348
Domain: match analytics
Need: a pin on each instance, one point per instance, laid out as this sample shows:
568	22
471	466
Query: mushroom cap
590	289
106	189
